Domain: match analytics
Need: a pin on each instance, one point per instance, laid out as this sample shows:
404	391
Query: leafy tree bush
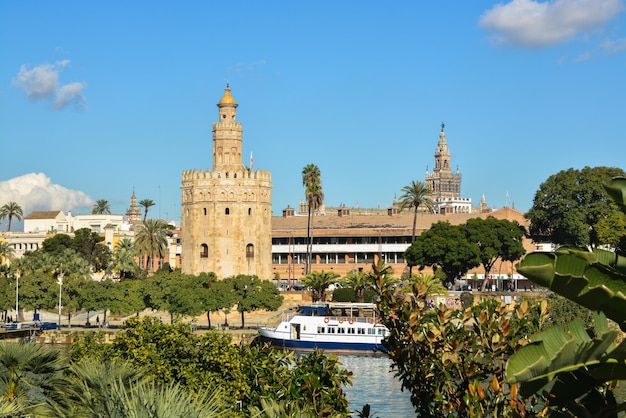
568	206
467	300
453	362
344	294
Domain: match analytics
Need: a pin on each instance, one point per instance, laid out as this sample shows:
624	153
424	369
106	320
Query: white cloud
35	191
42	82
70	93
611	47
534	24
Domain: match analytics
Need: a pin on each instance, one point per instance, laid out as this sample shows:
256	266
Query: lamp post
17	295
60	281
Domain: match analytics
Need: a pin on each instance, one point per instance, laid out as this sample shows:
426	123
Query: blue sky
98	99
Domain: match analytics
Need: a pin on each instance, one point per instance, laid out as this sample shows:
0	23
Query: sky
102	99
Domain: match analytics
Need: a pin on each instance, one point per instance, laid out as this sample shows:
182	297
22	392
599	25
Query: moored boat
330	326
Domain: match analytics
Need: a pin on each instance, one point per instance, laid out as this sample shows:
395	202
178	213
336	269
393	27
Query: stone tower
227	211
445	184
133	213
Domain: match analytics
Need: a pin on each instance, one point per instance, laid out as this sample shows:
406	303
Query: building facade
345	242
227	211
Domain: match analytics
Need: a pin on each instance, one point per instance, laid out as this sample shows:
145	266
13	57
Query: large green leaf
582	277
567	362
616	189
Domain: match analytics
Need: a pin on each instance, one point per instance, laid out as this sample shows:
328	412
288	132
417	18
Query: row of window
397	239
335	258
227	211
204	251
350	330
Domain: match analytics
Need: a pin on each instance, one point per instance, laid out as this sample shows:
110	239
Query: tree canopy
568	206
444	246
496	239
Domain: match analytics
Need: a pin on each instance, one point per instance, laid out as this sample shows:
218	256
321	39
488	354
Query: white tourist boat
330	326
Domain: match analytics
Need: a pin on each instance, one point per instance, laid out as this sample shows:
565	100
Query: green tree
359	281
151	240
612	232
444	246
319	281
101	207
497	239
146	204
56	244
568	206
312	182
216	294
89	245
251	293
173	354
11	210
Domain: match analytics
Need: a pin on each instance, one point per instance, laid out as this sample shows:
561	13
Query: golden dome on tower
227	99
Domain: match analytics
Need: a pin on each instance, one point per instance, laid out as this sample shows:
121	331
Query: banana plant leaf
616	189
595	279
567	362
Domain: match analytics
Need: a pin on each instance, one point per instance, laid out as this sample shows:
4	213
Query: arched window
249	211
227	211
249	251
204	251
204	211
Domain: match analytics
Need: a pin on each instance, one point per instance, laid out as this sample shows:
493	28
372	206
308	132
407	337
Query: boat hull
334	346
333	326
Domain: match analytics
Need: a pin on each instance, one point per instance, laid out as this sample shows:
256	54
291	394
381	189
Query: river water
374	383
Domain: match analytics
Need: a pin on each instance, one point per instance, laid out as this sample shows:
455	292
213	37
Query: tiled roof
43	214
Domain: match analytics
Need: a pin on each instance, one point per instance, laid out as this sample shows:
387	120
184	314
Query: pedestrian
98	320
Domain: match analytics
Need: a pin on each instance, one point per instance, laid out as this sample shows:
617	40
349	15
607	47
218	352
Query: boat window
331	330
321	330
361	330
371	331
341	330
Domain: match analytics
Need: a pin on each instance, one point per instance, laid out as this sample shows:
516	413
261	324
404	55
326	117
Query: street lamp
17	294
60	281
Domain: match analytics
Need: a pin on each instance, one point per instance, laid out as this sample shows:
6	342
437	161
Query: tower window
249	211
227	211
204	251
204	211
249	251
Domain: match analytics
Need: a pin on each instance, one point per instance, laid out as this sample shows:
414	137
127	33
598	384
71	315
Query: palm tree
146	204
415	195
312	182
432	283
101	207
11	210
151	240
319	281
124	259
359	281
31	376
7	253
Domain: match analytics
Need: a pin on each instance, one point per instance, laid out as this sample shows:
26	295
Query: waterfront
374	383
